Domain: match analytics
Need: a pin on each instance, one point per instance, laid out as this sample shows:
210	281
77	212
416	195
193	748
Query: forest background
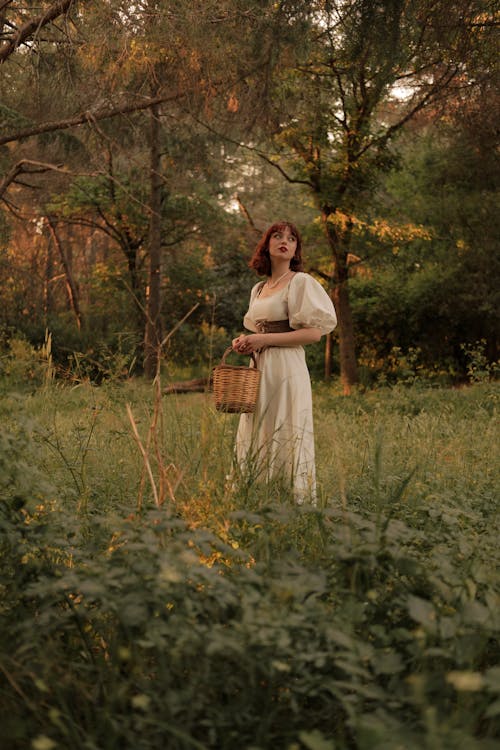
145	600
144	147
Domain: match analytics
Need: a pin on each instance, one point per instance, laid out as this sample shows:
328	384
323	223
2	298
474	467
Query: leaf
466	681
42	742
141	701
387	663
422	611
315	740
492	679
448	627
475	613
493	710
134	614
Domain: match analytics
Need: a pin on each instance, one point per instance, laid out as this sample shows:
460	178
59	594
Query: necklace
275	283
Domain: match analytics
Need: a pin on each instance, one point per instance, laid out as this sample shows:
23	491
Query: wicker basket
235	387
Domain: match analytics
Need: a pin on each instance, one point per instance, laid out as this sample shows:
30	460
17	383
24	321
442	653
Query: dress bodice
272	307
303	302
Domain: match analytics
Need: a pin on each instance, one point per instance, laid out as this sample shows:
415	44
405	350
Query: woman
287	311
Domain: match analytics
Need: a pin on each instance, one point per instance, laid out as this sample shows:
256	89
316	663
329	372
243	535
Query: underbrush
147	603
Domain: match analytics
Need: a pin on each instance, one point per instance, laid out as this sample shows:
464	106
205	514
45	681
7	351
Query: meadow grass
148	603
366	445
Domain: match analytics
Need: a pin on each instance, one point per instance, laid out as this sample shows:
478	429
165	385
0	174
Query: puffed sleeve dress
277	440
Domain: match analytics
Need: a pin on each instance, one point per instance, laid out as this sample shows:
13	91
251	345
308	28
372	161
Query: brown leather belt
273	326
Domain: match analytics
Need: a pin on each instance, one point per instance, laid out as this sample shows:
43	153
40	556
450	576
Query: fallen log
197	385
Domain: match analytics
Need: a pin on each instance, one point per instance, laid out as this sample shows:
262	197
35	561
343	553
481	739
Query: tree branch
441	84
79	221
255	150
280	169
27	166
31	27
246	214
87	118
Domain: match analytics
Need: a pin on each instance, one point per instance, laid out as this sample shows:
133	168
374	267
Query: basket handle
230	349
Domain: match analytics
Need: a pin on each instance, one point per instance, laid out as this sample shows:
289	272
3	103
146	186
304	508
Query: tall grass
147	602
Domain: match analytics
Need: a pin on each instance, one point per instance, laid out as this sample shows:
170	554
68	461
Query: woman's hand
239	343
256	342
248	344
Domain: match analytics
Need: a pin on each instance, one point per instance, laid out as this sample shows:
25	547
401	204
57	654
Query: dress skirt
277	440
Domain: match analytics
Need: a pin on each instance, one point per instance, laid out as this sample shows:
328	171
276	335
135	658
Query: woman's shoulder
258	285
298	277
256	288
301	279
303	285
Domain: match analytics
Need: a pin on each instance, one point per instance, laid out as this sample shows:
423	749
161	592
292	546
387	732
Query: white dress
277	440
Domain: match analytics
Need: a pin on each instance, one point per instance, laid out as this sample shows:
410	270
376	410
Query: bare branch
26	185
180	238
440	85
13	209
90	223
246	214
88	118
27	166
291	180
254	150
31	27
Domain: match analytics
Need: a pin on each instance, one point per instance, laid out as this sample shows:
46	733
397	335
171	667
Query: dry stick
157	412
144	456
153	436
153	433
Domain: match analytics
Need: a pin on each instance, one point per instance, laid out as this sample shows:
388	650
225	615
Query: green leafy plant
228	617
479	368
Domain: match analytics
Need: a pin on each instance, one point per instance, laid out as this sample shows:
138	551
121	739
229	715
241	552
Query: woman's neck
277	270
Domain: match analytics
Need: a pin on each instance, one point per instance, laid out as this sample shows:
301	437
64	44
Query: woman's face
282	244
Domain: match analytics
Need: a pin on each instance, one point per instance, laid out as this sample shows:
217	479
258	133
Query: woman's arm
255	341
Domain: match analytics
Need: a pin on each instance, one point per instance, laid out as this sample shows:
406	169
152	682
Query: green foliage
310	87
479	369
21	363
228	619
435	295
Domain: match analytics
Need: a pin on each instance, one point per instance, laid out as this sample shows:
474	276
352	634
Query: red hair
261	260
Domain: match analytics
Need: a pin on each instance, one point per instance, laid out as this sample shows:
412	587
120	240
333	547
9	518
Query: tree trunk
152	339
328	356
339	244
347	351
48	302
130	249
71	287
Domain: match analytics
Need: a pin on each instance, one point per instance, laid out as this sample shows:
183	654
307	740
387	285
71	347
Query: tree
122	58
113	54
449	182
370	68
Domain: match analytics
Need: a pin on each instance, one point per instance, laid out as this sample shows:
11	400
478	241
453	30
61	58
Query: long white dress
277	440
